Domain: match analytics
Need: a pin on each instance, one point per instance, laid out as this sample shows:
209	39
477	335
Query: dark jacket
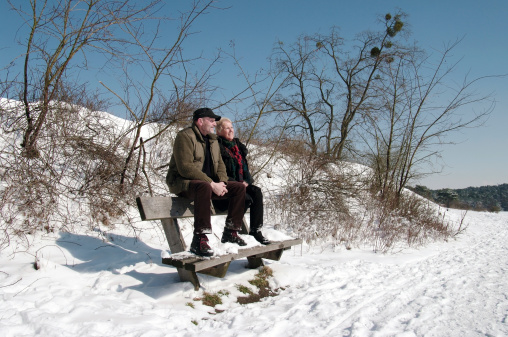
225	156
187	160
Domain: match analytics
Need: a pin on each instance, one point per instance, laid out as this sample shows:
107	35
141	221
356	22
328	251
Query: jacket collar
199	136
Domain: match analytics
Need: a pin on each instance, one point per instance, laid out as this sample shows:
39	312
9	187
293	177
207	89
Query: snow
110	281
113	284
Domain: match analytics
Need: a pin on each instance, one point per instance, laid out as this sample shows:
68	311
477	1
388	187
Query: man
234	155
196	171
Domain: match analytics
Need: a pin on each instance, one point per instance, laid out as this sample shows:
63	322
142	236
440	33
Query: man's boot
199	245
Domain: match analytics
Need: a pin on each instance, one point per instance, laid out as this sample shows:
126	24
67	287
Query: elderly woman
234	155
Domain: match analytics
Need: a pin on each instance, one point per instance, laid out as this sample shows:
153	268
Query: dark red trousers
201	193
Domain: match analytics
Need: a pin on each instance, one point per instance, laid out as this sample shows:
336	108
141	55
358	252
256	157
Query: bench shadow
119	255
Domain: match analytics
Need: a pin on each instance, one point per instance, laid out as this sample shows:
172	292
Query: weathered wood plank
190	276
174	235
197	263
157	208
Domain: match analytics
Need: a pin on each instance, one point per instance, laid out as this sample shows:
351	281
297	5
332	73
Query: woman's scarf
235	159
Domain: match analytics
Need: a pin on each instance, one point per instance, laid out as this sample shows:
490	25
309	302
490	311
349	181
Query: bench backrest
156	208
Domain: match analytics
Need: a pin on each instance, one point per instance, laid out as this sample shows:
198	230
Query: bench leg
254	262
189	276
257	261
219	270
173	235
273	255
245	227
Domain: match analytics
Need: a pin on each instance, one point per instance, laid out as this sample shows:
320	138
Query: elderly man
196	171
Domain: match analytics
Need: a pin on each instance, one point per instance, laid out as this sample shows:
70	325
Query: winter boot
232	236
199	245
260	238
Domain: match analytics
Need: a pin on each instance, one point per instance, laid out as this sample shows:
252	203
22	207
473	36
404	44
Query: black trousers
254	201
201	193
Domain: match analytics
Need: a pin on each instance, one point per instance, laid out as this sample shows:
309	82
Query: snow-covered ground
110	284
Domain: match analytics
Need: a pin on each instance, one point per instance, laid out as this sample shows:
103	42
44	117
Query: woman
234	155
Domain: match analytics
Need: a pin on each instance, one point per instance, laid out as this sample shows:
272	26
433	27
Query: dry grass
325	202
261	282
74	179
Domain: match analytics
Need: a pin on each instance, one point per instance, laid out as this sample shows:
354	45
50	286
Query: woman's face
227	131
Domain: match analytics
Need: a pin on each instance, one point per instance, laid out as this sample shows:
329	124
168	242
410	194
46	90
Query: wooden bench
169	209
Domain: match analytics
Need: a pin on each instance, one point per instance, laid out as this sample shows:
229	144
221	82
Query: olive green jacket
188	157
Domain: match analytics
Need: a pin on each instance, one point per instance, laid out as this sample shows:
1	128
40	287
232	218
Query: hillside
70	267
490	198
81	180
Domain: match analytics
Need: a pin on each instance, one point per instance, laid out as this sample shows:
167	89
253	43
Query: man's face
227	131
206	125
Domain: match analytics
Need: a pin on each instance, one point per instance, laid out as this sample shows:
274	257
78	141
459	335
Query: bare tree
329	84
167	93
58	32
355	72
419	109
74	156
255	124
298	99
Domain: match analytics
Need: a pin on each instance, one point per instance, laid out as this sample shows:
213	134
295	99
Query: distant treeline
484	198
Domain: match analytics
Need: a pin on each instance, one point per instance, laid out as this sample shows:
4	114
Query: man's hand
219	188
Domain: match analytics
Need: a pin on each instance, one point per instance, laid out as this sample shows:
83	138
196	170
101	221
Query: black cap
204	112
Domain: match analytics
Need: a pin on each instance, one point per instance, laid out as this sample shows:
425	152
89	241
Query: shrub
323	200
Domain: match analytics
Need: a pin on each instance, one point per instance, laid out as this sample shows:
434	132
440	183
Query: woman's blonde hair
219	123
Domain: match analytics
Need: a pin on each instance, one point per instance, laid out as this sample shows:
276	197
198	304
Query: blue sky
479	159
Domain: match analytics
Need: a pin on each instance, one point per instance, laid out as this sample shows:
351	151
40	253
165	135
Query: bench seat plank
197	263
